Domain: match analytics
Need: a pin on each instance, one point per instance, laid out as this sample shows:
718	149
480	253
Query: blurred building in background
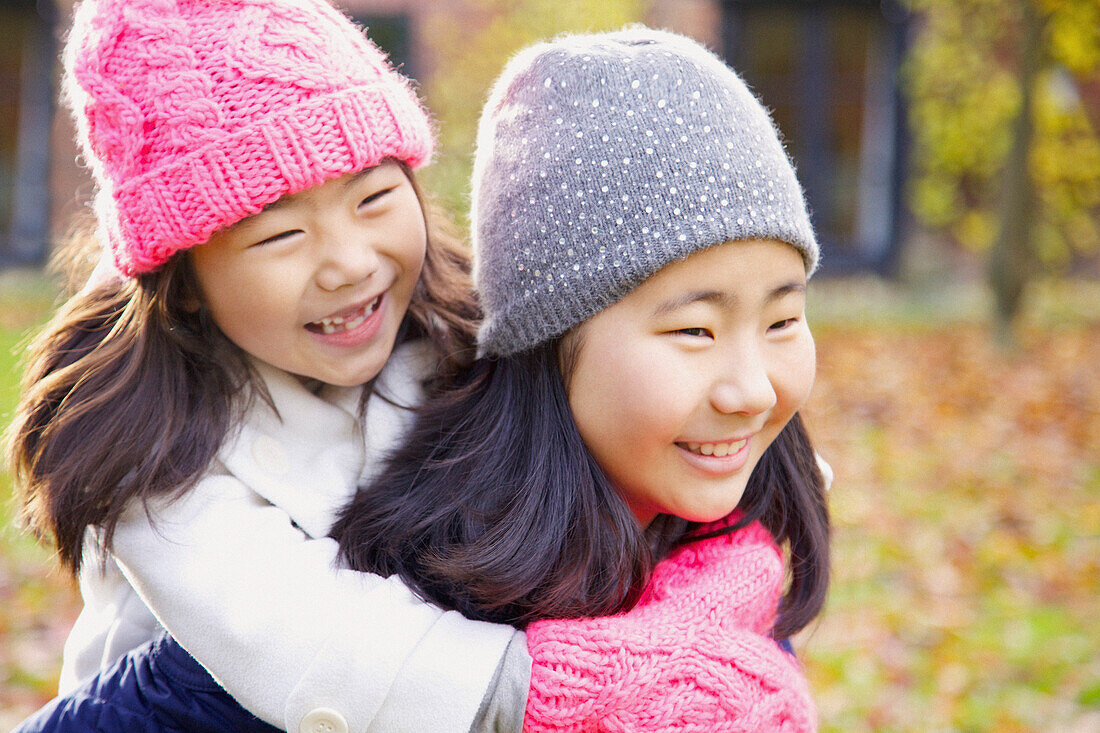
28	53
827	69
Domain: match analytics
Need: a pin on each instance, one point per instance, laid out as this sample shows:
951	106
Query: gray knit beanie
603	158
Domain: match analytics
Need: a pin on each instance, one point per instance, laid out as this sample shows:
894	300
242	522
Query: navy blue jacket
158	688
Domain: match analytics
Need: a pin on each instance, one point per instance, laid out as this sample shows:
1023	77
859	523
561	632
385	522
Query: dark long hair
495	507
129	392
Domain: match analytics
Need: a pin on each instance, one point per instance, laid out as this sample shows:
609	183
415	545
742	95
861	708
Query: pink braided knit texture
194	114
693	655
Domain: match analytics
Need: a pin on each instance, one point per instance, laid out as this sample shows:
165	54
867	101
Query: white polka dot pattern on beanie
601	159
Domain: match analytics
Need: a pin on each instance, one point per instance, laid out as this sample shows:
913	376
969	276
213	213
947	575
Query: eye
376	196
278	237
696	331
781	325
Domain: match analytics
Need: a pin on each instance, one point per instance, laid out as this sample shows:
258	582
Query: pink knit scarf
694	655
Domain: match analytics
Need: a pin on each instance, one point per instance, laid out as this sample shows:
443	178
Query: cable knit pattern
693	655
194	114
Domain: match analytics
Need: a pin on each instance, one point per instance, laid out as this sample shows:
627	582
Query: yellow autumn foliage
963	90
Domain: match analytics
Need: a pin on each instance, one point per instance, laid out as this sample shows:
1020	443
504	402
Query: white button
270	456
323	720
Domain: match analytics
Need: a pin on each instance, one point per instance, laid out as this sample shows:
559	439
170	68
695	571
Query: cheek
413	267
625	403
408	221
247	302
795	378
597	401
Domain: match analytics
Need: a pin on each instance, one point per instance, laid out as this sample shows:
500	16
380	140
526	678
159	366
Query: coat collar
309	454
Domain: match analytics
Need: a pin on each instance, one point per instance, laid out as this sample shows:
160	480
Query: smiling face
318	283
678	388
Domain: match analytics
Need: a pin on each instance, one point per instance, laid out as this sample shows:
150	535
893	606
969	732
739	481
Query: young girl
641	249
186	433
641	405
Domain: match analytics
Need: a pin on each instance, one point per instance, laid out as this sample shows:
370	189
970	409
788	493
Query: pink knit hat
194	114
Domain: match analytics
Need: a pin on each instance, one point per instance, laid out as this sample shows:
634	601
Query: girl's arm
231	571
158	687
693	654
265	610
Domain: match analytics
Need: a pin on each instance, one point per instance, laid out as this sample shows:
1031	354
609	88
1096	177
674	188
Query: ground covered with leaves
966	507
967	531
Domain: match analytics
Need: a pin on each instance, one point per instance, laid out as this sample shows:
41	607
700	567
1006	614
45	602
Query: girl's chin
699	516
710	516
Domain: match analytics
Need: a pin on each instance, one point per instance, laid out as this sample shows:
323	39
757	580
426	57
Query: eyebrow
724	300
787	289
697	296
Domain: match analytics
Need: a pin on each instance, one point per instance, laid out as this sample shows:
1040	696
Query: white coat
240	572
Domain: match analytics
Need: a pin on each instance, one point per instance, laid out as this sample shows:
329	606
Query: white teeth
348	323
718	450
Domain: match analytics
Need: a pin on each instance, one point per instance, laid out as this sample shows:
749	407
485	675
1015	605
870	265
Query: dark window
828	71
11	58
27	57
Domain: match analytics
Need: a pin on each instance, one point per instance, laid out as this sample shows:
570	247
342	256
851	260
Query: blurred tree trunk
1012	263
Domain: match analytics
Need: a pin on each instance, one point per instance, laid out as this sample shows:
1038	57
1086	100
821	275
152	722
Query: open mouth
718	450
347	321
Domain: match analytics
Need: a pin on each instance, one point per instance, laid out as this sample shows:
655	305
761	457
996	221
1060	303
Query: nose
744	386
347	258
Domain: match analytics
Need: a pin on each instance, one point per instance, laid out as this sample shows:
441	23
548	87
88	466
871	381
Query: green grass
26	301
37	603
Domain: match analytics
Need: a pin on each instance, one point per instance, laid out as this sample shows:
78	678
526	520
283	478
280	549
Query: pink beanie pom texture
194	114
